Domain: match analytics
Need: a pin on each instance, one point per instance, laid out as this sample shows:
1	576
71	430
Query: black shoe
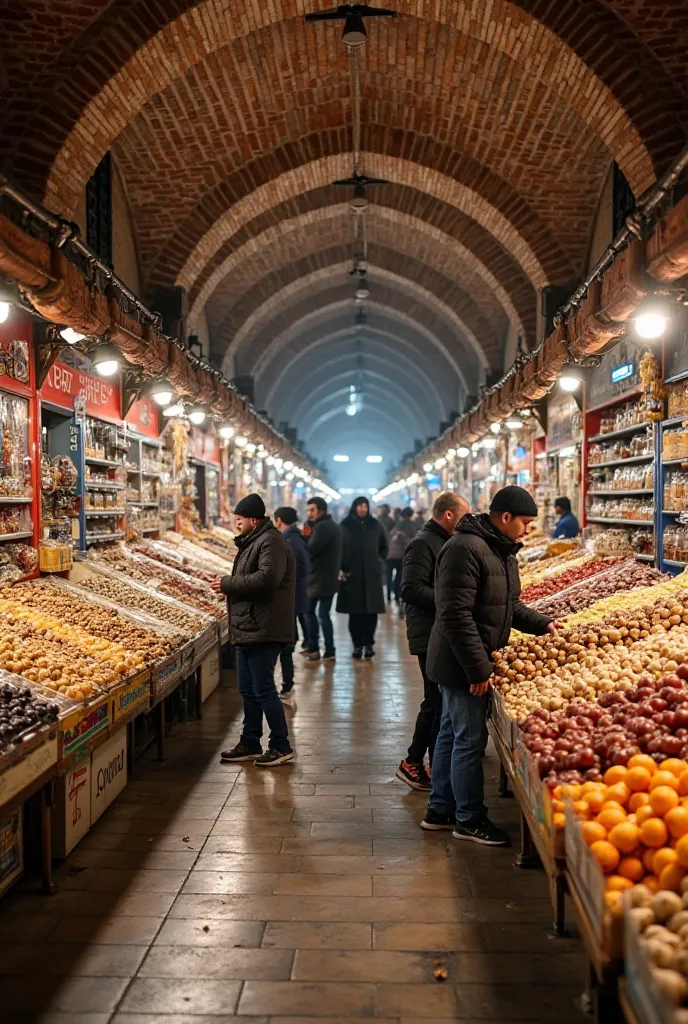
329	656
436	822
481	830
271	758
304	652
369	652
415	776
357	652
240	753
313	656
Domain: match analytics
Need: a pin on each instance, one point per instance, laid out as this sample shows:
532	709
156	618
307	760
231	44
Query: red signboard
204	446
143	417
65	383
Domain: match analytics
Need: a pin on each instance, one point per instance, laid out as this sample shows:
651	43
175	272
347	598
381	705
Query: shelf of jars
672	491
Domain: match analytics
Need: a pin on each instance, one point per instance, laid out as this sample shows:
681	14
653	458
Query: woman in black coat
361	594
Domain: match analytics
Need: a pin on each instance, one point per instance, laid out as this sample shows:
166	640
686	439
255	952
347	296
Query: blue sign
622	372
433	482
520	452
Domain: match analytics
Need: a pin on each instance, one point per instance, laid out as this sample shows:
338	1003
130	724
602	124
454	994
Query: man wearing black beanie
260	595
477	591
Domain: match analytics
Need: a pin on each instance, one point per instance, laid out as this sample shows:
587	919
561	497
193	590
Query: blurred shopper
477	590
385	518
285	521
361	593
419	519
325	554
567	526
260	595
418	595
399	537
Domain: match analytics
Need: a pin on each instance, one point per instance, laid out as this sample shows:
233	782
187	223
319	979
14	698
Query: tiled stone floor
208	894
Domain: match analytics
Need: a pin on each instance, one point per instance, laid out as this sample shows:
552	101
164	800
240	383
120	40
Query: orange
664	779
558	806
652	882
631	868
624	836
674	765
663	859
619	792
671	877
682	851
642	761
581	808
559	822
663	799
644	813
606	855
617	883
571	790
595	801
612	899
649	860
591	787
592	831
638	800
676	821
638	779
683	783
610	816
617	773
556	792
654	833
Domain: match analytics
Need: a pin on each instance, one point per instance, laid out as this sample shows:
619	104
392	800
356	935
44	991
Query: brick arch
331	239
310	330
412	235
89	123
237	331
398	400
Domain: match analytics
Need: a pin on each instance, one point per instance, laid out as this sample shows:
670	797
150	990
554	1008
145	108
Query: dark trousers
286	658
303	623
394	567
428	720
256	680
362	629
319	618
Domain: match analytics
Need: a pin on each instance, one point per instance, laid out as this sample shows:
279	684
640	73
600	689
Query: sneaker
414	775
357	652
313	656
287	698
329	656
436	822
271	758
369	652
239	753
481	830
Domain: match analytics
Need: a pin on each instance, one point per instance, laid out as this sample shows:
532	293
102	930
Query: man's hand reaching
480	689
554	626
217	584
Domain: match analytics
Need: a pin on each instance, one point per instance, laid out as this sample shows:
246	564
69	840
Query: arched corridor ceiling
494	122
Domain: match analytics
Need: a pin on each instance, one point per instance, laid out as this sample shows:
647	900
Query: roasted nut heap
125	594
188	591
152	550
627	576
22	710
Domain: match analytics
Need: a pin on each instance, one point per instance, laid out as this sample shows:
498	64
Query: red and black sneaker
414	775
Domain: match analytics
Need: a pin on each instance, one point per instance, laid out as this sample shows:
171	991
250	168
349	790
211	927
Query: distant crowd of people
455	580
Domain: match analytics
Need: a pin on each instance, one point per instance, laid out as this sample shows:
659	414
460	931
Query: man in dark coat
325	553
397	541
285	521
418	595
385	518
260	595
477	590
361	594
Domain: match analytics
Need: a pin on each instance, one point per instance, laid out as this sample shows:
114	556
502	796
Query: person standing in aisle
361	593
260	595
418	595
477	590
400	535
567	526
325	554
385	518
285	521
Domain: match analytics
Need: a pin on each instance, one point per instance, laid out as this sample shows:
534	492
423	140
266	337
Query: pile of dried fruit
45	658
566	578
168	581
138	599
627	575
22	711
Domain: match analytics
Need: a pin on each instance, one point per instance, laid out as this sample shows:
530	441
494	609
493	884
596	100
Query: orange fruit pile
635	823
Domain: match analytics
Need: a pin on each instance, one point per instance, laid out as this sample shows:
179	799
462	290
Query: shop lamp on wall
240	441
496	428
227	432
197	415
440	463
451	453
489	444
651	317
161	391
173	410
106	359
570	377
427	467
288	466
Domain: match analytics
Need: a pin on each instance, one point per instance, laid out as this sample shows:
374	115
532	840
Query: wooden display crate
165	677
22	769
502	722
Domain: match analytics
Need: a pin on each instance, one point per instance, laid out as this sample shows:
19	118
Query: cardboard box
72	812
210	673
11	850
108	773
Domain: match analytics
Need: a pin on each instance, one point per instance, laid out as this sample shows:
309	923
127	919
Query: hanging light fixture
197	415
651	317
240	441
496	428
161	391
173	410
106	359
513	423
227	432
362	292
570	377
463	452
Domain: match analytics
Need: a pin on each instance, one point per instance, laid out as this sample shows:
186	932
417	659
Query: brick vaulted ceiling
494	121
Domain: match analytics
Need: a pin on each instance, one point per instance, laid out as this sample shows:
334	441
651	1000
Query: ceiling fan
352	15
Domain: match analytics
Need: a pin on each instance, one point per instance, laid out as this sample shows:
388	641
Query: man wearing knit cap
260	595
477	590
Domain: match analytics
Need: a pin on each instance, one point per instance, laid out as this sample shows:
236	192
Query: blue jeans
457	764
322	605
256	679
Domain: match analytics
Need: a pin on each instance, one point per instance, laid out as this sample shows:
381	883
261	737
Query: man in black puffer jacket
260	594
418	595
477	590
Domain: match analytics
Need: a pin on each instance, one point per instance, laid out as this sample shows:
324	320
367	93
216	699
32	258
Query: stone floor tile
328	847
250	882
373	865
323	885
263	863
116	931
307	998
317	935
81	961
220	963
368	965
204	932
429	937
182	995
182	1018
343	814
549	1005
420	885
343	789
119	879
76	995
431	1000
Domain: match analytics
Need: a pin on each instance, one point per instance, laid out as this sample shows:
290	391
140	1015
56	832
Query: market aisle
305	892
